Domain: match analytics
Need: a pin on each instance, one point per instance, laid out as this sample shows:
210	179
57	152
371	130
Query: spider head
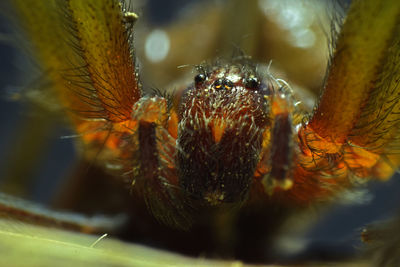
223	116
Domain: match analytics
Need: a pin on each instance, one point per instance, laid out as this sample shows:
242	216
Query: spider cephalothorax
230	126
221	124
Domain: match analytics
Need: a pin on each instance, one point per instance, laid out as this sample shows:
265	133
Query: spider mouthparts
214	198
272	183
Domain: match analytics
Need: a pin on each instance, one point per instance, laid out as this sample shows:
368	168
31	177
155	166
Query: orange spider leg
352	133
85	48
353	129
279	142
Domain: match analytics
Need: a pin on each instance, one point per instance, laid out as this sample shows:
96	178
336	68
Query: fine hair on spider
234	152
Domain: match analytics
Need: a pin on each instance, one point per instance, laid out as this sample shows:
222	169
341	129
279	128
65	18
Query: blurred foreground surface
26	245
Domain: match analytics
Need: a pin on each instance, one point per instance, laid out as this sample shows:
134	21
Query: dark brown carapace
222	119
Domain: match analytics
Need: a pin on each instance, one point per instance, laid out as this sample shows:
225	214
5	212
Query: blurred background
36	152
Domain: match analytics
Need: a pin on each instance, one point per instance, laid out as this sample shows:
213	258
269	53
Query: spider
227	158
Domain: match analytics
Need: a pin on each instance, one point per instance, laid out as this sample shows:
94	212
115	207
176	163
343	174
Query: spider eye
218	83
228	84
251	83
200	78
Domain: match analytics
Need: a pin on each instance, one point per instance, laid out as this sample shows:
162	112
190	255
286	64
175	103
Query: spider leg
12	208
279	153
354	127
352	132
85	46
155	176
85	50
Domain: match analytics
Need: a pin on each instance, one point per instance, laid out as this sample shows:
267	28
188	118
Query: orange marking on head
218	129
